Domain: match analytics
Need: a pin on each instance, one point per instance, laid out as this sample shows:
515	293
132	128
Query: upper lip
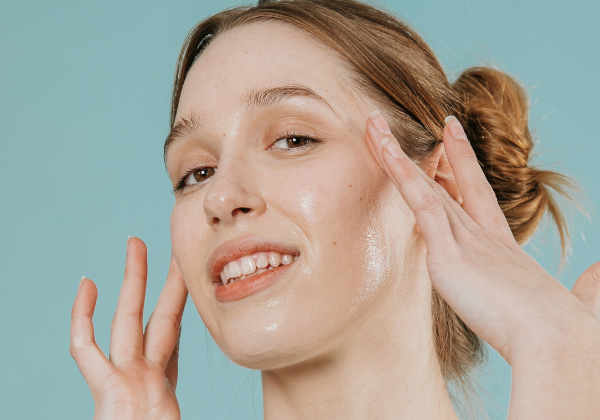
232	250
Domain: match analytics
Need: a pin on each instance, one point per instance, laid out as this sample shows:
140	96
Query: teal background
84	101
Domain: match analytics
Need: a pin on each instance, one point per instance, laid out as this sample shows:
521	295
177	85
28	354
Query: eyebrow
255	99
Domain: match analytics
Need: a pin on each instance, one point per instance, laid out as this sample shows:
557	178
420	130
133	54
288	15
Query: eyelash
181	184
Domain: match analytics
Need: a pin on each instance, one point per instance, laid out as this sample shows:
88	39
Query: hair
390	63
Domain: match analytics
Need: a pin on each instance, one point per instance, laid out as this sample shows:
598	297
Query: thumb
587	288
172	369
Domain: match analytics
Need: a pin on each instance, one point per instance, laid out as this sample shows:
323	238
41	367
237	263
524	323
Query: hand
496	288
139	379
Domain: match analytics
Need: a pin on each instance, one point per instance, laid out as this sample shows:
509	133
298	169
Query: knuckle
120	316
170	320
484	187
136	315
175	320
430	203
466	153
77	350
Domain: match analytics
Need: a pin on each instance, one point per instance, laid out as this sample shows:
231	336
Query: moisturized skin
346	330
351	286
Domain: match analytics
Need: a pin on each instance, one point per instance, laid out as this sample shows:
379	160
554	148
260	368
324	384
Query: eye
293	141
195	177
199	175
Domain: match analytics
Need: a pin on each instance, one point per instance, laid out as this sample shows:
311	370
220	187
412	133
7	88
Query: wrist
552	340
556	373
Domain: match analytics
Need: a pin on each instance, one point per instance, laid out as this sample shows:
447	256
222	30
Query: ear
438	168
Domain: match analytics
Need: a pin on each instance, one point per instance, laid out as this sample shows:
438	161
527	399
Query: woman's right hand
138	380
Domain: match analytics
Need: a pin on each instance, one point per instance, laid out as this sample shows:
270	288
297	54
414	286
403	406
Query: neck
385	369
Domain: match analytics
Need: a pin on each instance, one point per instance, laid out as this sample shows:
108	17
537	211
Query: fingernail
456	129
80	283
391	146
127	246
379	122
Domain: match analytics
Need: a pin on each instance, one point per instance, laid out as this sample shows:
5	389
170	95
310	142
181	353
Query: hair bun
495	116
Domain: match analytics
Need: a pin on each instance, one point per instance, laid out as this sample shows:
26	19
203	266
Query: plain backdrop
84	103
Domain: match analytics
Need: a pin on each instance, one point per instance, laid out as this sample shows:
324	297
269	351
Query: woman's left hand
550	336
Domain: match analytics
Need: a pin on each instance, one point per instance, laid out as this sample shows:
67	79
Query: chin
262	348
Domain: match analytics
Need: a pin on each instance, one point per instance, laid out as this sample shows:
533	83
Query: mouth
242	267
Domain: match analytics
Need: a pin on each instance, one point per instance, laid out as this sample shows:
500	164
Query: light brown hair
390	63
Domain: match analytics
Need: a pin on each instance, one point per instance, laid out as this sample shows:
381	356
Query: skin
346	333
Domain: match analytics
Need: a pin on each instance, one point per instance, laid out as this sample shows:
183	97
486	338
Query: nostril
244	210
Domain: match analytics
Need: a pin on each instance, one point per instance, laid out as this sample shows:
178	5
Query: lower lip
243	288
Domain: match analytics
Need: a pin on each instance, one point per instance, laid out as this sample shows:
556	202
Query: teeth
274	259
225	274
254	264
248	265
262	260
234	269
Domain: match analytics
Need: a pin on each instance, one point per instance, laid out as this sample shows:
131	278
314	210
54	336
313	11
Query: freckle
350	185
334	243
360	198
223	134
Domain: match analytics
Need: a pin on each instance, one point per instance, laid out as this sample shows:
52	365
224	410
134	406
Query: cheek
337	206
189	235
188	231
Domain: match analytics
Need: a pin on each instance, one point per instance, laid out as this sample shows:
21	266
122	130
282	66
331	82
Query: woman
357	265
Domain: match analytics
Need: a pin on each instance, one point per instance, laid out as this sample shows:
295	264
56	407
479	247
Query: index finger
480	201
127	331
162	330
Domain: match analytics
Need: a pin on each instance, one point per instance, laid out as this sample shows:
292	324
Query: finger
90	359
376	130
480	201
374	134
172	369
587	288
426	204
423	200
126	341
473	229
162	330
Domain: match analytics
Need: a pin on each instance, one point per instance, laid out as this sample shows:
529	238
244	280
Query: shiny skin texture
329	199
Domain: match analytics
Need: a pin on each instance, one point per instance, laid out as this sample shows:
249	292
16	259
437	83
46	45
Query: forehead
257	56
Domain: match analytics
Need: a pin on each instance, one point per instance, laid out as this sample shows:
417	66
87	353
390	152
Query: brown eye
199	175
296	142
292	142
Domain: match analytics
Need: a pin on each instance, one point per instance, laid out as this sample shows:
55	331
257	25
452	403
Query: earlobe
440	171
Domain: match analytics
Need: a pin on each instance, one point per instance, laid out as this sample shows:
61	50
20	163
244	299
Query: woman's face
250	107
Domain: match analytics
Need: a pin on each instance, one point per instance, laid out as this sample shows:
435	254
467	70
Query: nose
233	195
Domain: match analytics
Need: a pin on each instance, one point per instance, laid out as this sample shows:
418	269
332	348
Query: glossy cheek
336	203
189	234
